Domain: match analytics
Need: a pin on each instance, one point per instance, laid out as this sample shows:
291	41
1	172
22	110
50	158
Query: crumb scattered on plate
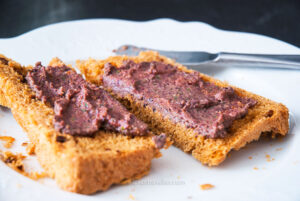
206	186
24	144
255	168
269	158
250	157
15	161
278	149
8	141
131	197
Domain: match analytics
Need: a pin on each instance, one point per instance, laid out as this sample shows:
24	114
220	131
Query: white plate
176	175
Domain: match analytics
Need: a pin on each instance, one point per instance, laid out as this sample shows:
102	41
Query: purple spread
80	108
160	140
180	96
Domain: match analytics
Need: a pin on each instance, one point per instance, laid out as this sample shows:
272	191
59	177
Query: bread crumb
278	149
24	144
131	197
19	185
250	157
178	177
15	161
255	168
8	141
269	158
189	197
206	186
30	149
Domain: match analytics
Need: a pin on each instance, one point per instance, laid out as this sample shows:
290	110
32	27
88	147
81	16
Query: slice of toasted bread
78	164
265	116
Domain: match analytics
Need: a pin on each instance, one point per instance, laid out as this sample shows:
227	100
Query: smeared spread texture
80	108
181	96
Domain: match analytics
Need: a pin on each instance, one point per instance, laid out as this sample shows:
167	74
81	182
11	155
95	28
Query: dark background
276	18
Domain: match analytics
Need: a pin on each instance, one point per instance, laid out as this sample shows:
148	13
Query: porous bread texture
80	164
265	116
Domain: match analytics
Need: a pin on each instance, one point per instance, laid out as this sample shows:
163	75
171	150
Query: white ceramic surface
176	175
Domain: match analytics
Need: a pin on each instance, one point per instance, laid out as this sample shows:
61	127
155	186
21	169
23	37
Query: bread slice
266	116
78	164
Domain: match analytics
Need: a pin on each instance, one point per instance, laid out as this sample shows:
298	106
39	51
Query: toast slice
265	117
78	164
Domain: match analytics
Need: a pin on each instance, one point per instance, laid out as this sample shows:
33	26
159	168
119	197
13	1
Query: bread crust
80	164
265	117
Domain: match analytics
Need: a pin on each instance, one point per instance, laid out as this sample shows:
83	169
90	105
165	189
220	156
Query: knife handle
258	60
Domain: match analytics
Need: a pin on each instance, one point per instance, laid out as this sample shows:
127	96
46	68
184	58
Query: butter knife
227	59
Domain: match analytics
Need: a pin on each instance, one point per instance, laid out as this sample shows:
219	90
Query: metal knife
198	58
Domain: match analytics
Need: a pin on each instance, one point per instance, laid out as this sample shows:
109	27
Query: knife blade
228	59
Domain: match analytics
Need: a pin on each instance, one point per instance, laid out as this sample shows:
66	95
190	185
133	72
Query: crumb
30	149
178	177
114	50
8	141
24	144
15	161
19	185
131	197
271	144
269	158
278	149
228	155
255	168
250	157
206	186
189	197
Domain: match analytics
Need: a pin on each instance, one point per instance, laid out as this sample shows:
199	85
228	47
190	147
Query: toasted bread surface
78	164
265	117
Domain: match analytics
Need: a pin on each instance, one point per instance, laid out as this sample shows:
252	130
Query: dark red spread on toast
80	108
183	97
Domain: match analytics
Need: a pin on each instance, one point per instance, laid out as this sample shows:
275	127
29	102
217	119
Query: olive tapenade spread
183	97
80	108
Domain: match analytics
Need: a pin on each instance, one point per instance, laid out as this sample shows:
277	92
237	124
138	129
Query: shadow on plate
4	109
